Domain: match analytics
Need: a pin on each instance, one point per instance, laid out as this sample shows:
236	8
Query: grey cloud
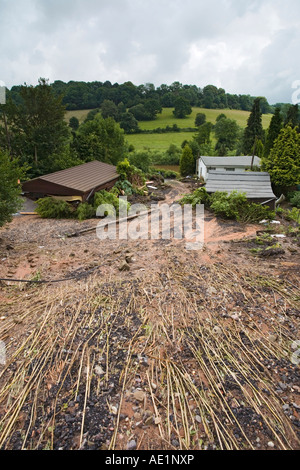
247	46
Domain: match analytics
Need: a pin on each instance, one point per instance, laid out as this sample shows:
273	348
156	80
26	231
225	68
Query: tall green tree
200	119
74	123
273	131
292	117
10	189
204	133
226	132
128	123
254	130
109	109
182	107
283	165
37	127
141	160
100	139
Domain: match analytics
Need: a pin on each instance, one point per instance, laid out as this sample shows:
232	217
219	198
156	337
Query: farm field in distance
161	142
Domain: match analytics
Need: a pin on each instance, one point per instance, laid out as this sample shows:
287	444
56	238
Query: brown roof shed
82	180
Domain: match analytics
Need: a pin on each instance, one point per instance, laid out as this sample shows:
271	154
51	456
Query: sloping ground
187	350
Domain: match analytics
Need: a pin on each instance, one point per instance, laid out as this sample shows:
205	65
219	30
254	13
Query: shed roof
80	178
256	185
243	161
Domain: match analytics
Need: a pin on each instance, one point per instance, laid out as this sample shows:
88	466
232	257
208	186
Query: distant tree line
145	101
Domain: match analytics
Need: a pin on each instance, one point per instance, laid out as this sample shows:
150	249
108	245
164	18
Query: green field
161	142
166	118
158	142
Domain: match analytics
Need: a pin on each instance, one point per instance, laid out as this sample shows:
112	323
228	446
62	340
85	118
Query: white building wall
202	170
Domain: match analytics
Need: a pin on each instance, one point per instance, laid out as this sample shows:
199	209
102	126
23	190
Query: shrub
130	173
124	188
228	205
256	212
169	174
109	198
199	196
85	211
51	208
235	206
293	215
187	162
141	160
295	199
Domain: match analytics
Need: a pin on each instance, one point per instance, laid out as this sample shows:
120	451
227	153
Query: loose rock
124	266
131	445
139	395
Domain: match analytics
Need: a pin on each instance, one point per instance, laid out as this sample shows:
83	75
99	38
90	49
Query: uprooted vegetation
231	206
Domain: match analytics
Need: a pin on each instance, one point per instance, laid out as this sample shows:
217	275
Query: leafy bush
124	188
85	211
50	208
293	214
228	205
130	173
295	199
199	196
141	160
256	212
109	198
169	174
235	206
166	174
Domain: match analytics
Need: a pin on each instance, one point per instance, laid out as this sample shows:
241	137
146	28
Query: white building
230	164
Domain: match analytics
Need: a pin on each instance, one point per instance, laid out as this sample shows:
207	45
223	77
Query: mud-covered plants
199	196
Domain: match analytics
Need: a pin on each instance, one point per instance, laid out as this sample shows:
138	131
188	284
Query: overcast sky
243	46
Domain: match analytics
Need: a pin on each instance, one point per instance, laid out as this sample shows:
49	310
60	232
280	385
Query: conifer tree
187	162
273	131
283	165
292	117
254	129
